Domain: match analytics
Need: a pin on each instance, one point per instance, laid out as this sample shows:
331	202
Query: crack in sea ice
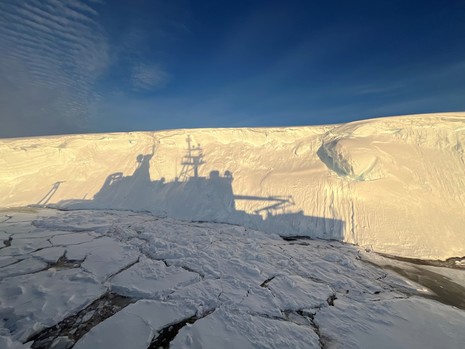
76	326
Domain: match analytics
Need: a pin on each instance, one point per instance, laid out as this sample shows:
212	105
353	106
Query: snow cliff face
395	185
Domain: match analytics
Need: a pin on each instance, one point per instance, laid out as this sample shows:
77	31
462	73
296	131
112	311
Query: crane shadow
46	199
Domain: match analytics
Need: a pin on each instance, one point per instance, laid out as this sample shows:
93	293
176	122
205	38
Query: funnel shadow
211	199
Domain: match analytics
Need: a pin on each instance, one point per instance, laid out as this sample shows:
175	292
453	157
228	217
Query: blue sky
71	66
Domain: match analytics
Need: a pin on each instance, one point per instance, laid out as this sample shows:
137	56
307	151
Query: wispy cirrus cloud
148	76
53	53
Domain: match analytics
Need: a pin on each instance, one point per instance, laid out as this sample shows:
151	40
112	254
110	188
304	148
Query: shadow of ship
196	198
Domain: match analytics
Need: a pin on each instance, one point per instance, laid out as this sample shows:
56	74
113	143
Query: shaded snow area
115	279
395	185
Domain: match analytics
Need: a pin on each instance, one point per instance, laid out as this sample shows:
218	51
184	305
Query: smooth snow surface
205	285
395	185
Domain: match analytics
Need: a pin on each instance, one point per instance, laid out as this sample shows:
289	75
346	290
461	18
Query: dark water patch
295	238
267	281
71	329
453	262
191	270
64	263
331	300
7	242
303	240
167	334
445	290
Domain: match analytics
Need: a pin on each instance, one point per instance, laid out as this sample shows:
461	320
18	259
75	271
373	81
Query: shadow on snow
196	198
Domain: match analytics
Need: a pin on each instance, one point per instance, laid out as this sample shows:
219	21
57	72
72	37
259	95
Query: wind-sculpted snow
394	185
139	281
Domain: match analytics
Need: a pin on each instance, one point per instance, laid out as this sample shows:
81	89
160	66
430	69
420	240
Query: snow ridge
395	185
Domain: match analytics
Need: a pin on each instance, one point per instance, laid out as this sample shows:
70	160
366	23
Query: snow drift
395	185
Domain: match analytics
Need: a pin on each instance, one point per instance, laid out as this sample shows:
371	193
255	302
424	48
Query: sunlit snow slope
396	185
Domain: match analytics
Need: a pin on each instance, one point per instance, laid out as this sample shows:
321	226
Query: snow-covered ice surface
119	279
395	185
